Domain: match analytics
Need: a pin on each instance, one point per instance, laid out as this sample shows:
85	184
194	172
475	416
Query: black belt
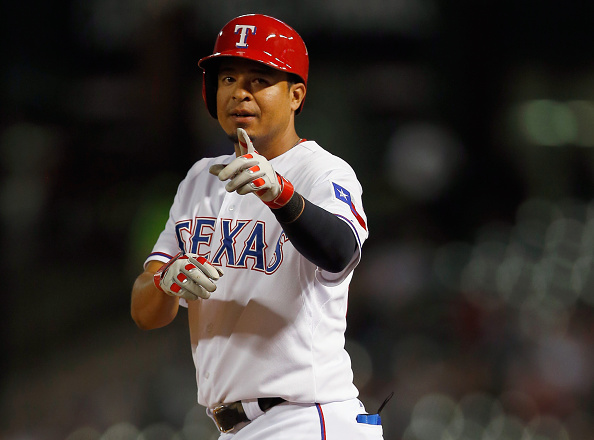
227	417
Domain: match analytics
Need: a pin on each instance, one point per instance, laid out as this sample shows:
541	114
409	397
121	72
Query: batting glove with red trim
252	173
187	276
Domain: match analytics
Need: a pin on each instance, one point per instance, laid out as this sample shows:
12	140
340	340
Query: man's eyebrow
225	69
262	70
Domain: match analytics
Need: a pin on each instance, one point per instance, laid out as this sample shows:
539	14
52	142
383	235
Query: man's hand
252	173
188	276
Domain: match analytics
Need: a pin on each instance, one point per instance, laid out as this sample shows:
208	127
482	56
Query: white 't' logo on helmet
243	30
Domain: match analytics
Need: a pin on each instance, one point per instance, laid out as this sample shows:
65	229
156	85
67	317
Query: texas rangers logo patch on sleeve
344	196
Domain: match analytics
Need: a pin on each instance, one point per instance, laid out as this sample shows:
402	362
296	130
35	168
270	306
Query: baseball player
260	246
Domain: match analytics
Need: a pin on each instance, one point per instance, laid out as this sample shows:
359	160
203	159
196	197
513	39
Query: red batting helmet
258	38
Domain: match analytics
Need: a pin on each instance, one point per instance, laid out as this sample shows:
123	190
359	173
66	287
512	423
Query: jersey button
207	375
231	207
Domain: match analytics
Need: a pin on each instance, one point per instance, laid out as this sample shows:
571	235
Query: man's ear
297	93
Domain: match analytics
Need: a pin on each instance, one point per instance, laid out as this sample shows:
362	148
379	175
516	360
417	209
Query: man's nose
242	90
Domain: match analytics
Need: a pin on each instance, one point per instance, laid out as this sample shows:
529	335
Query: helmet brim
207	63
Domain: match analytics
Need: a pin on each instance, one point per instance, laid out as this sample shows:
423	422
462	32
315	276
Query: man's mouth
242	114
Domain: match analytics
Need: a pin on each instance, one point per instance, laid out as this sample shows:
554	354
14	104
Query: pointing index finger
245	143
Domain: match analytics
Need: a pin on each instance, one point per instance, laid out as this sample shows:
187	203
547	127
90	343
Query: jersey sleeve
338	191
168	244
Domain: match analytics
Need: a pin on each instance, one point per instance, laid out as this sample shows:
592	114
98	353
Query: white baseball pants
292	421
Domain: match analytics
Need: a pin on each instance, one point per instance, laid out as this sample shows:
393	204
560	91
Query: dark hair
294	79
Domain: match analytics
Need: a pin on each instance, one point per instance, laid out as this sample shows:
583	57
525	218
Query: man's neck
273	149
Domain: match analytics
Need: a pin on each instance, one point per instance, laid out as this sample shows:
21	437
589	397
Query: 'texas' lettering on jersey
195	236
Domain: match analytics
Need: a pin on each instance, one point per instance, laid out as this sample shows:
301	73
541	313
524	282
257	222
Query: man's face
254	97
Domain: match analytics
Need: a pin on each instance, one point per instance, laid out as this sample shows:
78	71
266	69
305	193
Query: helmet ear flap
209	88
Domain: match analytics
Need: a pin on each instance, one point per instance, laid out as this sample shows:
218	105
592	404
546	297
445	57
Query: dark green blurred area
471	128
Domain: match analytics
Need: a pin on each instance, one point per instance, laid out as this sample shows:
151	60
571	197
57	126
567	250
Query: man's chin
233	138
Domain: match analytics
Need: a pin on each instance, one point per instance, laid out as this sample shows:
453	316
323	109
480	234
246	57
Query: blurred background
471	127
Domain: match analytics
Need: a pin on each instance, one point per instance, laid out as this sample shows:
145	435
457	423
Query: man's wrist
158	276
286	192
291	210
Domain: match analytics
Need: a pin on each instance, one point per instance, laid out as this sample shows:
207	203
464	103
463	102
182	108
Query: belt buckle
218	414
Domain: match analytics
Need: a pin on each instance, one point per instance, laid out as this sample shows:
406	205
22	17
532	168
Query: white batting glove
252	173
187	276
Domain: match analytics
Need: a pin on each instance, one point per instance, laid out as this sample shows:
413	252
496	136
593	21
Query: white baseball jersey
275	325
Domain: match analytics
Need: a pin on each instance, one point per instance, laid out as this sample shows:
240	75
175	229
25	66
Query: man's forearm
150	308
317	234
